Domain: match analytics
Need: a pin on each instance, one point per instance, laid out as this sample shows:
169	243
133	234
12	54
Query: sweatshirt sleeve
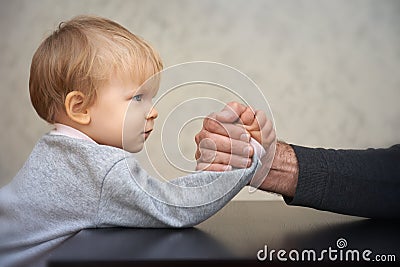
132	198
356	182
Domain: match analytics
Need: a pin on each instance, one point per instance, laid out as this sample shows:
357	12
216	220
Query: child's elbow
185	222
181	224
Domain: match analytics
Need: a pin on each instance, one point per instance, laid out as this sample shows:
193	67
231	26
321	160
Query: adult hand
221	144
224	139
259	126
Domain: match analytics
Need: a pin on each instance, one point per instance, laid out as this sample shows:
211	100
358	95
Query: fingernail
245	137
229	168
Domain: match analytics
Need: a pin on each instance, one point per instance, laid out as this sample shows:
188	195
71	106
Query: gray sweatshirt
69	184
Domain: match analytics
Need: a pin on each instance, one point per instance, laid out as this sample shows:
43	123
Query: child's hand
258	126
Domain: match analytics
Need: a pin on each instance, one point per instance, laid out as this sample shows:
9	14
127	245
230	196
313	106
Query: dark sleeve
355	182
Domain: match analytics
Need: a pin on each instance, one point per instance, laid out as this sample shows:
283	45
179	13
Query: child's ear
74	107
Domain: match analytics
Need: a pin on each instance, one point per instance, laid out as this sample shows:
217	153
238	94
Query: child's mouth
147	133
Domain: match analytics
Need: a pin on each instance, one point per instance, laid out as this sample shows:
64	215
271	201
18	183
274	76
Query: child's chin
133	148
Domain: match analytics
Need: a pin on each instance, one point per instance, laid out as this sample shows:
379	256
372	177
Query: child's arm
132	198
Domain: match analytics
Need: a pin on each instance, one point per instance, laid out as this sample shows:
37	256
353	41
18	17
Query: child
82	79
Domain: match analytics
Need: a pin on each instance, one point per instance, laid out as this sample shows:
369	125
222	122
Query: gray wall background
330	69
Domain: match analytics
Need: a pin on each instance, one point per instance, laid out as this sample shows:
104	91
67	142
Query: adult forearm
283	176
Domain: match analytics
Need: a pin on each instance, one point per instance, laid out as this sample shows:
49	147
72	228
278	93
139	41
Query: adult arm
355	182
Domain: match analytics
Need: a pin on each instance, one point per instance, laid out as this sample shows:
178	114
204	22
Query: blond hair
81	54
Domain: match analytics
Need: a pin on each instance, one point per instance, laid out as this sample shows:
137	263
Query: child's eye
137	98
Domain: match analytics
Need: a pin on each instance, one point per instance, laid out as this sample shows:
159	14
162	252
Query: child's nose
153	114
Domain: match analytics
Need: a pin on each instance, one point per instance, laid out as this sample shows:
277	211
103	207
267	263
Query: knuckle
199	137
210	124
210	116
205	122
213	124
231	103
235	106
204	136
197	154
206	155
208	143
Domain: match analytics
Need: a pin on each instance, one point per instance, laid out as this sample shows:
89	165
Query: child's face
111	119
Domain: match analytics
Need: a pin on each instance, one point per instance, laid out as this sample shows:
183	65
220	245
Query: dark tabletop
234	237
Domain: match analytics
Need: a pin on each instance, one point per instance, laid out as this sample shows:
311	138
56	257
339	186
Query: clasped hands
224	141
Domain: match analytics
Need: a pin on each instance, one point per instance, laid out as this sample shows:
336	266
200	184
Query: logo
338	253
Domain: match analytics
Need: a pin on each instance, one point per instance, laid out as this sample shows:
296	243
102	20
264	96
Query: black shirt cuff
313	177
